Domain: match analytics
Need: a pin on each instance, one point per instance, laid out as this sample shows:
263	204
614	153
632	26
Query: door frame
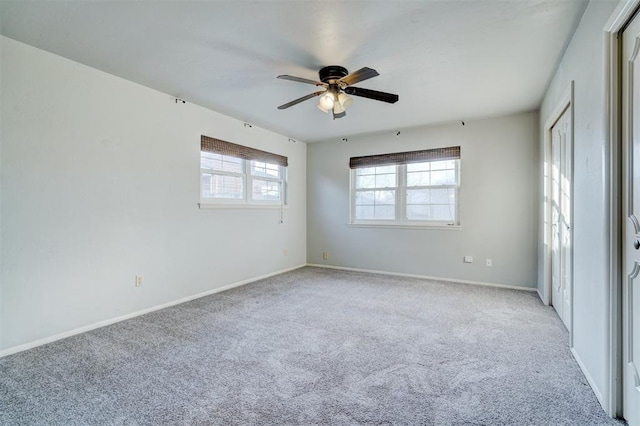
565	103
621	16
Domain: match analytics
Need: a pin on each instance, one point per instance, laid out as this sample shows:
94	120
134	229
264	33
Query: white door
631	227
561	259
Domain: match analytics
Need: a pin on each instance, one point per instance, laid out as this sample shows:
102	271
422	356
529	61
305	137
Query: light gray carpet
313	346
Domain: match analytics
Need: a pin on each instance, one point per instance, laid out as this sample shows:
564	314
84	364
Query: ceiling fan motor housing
332	72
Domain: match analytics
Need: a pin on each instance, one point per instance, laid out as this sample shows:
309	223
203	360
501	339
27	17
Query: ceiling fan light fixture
321	108
327	101
344	100
338	108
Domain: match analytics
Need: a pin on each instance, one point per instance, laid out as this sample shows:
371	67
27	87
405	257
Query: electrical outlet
325	255
468	259
489	263
139	280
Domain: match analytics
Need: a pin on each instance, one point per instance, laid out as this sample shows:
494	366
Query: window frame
247	186
216	172
400	220
455	186
281	179
354	191
247	157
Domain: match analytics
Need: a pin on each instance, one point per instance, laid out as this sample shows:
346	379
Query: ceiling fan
337	85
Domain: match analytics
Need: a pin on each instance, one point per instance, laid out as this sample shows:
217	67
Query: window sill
206	206
405	226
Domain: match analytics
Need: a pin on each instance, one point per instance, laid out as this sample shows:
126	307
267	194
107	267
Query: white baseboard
344	268
592	383
63	335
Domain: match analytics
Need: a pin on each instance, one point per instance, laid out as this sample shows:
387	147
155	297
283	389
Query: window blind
437	154
218	146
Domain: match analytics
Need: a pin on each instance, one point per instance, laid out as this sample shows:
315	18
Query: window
418	188
375	193
235	174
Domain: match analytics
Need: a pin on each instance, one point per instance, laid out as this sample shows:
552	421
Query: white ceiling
447	60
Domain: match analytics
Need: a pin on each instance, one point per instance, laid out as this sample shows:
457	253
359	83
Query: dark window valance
218	146
437	154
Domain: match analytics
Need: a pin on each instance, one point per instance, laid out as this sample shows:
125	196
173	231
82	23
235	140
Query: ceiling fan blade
358	76
372	94
302	80
302	99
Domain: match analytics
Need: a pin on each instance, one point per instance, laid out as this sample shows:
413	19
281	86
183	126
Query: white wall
583	62
1	229
498	205
100	182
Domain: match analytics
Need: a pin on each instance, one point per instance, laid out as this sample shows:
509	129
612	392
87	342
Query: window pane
443	196
375	197
209	160
418	179
444	213
366	181
385	169
418	167
232	164
259	168
378	212
365	197
385	197
220	162
386	181
375	170
265	190
222	186
385	212
366	171
442	165
207	180
365	212
372	205
443	177
417	196
376	177
418	212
